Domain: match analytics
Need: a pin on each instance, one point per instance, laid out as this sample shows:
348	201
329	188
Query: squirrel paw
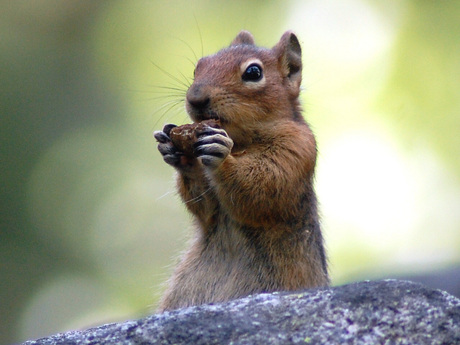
167	149
213	146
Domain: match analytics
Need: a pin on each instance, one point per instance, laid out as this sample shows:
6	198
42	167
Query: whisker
197	198
167	88
164	195
169	105
188	45
177	80
201	36
191	61
164	96
187	80
174	88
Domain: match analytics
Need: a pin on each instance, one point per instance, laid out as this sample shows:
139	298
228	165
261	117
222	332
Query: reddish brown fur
256	217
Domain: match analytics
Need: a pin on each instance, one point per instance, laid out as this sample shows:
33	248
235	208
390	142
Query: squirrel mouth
210	115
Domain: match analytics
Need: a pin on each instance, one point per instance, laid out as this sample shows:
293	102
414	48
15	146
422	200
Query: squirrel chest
245	171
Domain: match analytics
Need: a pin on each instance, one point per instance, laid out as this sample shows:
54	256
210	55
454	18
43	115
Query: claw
161	137
212	147
211	131
167	128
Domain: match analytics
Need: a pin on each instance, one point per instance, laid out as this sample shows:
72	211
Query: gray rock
447	279
382	312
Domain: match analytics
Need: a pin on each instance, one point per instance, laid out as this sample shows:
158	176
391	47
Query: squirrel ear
244	37
289	56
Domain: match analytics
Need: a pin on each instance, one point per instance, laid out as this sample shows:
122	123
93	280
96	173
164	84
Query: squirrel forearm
198	196
265	187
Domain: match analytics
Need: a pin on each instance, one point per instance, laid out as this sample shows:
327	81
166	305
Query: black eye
252	73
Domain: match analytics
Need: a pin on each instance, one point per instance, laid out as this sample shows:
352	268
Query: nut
183	137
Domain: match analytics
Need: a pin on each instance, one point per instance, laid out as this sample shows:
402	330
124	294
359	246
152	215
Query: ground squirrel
245	172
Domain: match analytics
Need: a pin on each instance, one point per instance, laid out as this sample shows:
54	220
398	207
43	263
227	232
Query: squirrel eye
252	73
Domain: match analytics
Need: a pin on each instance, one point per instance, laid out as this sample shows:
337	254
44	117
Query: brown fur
257	227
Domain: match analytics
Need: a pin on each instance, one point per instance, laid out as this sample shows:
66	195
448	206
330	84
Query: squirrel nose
198	98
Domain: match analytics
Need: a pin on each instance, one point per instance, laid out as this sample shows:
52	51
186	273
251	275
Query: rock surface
447	279
382	312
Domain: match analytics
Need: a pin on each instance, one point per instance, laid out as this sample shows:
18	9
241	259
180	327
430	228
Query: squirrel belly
245	173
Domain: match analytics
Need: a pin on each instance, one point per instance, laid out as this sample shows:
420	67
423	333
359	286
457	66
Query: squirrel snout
198	98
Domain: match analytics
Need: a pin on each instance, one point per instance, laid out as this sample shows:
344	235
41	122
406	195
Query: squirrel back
246	177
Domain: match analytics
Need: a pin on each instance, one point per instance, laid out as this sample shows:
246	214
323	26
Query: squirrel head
245	86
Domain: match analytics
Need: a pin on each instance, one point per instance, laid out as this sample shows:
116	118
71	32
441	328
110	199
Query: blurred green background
90	223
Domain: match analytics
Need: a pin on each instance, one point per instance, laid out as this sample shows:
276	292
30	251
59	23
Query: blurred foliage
90	224
422	93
